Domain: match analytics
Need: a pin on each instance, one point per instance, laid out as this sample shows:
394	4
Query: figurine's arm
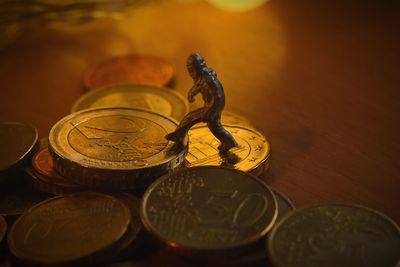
193	92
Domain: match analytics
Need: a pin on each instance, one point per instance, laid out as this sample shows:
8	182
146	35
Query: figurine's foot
174	137
225	148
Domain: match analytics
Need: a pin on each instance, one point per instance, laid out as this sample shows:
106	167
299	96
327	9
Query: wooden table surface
320	79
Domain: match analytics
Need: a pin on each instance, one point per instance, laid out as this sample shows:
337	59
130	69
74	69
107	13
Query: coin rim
132	86
87	76
16	253
269	242
180	246
31	147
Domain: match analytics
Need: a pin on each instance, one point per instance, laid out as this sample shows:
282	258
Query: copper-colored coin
335	235
49	180
134	68
252	154
208	210
3	228
69	229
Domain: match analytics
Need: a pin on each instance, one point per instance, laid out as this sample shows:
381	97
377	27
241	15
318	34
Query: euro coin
114	148
69	229
134	68
152	98
335	235
208	210
252	154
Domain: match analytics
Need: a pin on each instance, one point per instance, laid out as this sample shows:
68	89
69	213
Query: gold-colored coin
68	229
251	155
3	228
153	98
208	210
118	148
285	205
335	235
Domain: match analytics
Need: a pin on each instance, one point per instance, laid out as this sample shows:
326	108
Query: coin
14	203
252	154
134	68
285	205
335	234
156	99
69	229
18	143
3	228
208	210
115	148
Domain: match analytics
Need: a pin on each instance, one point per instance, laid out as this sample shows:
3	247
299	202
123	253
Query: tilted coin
46	179
14	203
69	229
116	148
252	154
208	210
3	228
156	99
285	205
134	68
335	234
18	143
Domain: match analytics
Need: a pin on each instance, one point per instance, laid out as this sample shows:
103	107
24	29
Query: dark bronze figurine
207	84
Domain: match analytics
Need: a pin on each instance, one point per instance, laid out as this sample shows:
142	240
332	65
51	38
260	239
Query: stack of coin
114	148
82	228
134	68
18	143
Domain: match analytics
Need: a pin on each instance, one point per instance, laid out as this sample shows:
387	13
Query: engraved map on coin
117	138
335	235
252	152
208	208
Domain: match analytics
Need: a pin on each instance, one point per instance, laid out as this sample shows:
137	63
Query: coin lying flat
285	205
208	209
156	99
3	228
330	235
251	155
117	148
18	143
46	179
134	68
68	229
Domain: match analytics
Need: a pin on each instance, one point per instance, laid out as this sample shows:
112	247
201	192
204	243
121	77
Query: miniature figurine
207	84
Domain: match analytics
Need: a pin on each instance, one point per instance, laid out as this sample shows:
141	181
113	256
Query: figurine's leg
227	140
184	126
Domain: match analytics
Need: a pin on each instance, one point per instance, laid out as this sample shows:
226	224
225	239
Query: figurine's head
195	65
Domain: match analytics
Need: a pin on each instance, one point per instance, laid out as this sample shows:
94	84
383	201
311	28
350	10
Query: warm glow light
237	5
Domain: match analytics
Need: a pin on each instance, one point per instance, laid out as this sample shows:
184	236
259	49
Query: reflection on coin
18	143
335	235
156	99
14	203
208	209
141	69
285	205
118	148
251	155
68	229
3	228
